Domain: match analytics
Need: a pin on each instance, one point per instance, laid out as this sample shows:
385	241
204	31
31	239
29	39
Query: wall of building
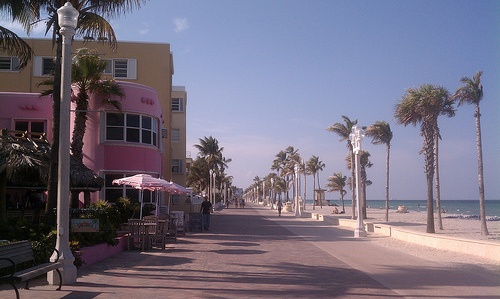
179	122
153	65
25	106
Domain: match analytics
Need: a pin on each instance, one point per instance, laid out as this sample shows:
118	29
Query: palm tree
196	177
337	182
210	151
257	182
472	93
15	46
23	161
87	69
86	75
344	130
422	106
91	24
381	133
292	160
314	166
284	164
364	163
26	13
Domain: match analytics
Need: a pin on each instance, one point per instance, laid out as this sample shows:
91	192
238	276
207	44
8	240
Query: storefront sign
85	225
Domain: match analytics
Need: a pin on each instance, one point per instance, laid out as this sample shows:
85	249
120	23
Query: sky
263	75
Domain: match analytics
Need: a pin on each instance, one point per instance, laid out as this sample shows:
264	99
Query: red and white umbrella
143	182
175	188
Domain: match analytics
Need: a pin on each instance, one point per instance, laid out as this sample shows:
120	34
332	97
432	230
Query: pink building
116	143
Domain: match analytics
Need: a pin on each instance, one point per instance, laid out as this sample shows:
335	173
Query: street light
211	188
296	185
67	17
271	193
356	138
263	191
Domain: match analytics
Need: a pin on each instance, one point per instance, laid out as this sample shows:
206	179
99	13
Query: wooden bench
17	264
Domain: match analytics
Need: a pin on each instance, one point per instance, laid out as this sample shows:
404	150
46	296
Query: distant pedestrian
206	209
280	206
242	203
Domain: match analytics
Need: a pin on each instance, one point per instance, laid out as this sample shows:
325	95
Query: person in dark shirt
206	209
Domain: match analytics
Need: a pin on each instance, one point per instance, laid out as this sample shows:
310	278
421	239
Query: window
109	67
133	128
176	135
113	192
177	105
177	166
121	68
30	126
48	66
43	66
9	64
114	126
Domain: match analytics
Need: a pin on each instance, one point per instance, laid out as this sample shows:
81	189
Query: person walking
206	209
280	206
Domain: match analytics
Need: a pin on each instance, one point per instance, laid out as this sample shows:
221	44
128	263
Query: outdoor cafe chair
159	238
137	233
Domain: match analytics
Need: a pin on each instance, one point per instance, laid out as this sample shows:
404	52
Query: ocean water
453	207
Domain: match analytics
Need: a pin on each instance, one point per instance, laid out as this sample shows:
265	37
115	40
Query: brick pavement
252	253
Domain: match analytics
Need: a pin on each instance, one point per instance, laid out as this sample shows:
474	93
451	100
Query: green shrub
109	220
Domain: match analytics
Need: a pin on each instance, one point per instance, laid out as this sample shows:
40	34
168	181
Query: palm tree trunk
480	175
436	173
314	191
305	186
430	206
54	152
428	149
363	194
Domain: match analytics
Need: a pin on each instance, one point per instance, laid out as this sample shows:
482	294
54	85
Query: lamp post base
358	233
68	273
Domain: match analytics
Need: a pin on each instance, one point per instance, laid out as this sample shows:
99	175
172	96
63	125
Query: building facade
137	139
179	105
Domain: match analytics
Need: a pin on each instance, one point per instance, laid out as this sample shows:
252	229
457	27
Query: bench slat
35	271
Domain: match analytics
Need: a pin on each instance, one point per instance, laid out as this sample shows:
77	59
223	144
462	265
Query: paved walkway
253	253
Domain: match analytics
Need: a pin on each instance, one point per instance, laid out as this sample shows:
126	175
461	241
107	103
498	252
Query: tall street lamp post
67	19
225	190
263	191
271	193
296	185
356	138
305	183
211	191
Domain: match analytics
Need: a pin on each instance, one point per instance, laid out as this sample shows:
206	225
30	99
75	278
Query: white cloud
180	24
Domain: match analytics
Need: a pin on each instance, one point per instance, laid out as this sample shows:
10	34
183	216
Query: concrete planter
96	253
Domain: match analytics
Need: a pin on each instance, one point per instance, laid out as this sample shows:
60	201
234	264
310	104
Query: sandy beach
416	221
452	227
